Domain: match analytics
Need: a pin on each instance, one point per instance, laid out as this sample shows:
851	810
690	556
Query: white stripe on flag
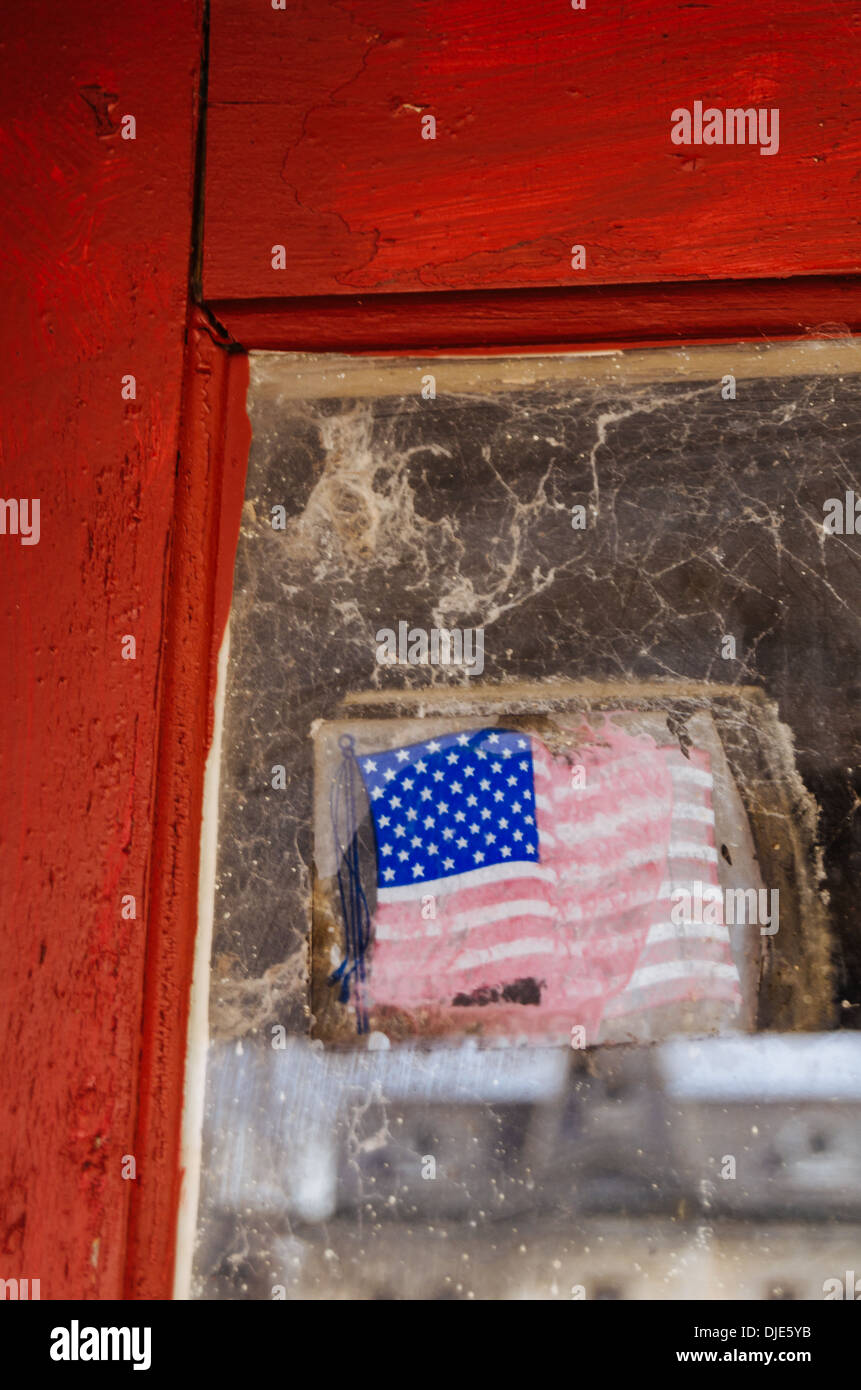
694	776
506	950
578	832
679	849
464	921
687	811
681	969
472	878
686	931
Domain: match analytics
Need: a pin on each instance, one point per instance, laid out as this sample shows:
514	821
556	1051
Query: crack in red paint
327	165
94	287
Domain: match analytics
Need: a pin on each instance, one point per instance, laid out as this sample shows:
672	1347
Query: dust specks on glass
536	763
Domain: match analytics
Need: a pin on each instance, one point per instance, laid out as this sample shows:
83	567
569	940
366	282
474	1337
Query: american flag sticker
523	891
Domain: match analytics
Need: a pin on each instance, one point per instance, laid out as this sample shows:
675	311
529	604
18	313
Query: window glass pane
537	742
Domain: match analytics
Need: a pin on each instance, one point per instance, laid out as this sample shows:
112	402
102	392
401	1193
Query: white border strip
194	1091
764	1068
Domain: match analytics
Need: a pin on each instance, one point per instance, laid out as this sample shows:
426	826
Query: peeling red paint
551	320
214	443
552	129
95	285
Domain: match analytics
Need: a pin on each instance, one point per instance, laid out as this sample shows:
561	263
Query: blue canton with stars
451	804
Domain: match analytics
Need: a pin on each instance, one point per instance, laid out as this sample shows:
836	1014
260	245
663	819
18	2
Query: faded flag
533	895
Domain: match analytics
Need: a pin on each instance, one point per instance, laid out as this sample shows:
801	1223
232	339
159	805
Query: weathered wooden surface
94	288
553	129
598	316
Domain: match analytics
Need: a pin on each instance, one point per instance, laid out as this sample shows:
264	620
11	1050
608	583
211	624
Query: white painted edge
765	1068
194	1089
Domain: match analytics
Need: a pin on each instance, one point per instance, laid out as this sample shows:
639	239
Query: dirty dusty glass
533	907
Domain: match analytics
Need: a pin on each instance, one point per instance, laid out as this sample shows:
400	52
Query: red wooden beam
612	316
553	129
213	454
94	290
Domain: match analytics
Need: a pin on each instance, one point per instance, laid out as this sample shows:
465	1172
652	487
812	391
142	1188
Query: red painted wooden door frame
213	452
95	292
102	759
552	128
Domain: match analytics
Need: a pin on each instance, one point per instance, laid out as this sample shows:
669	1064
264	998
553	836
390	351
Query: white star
511	781
433	849
530	849
433	746
390	774
485	815
499	796
404	854
493	738
484	784
473	829
503	825
521	743
456	786
421	766
448	833
496	767
388	874
516	806
448	863
408	784
418	871
460	815
412	813
463	740
442	807
472	801
461	843
508	752
529	820
400	832
426	793
469	772
438	775
384	820
403	755
518	834
524	766
395	801
478	856
370	765
480	753
416	842
429	822
527	796
505	851
452	758
387	849
490	839
377	793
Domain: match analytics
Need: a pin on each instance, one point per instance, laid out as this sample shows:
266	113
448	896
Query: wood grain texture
213	453
597	317
95	284
553	129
